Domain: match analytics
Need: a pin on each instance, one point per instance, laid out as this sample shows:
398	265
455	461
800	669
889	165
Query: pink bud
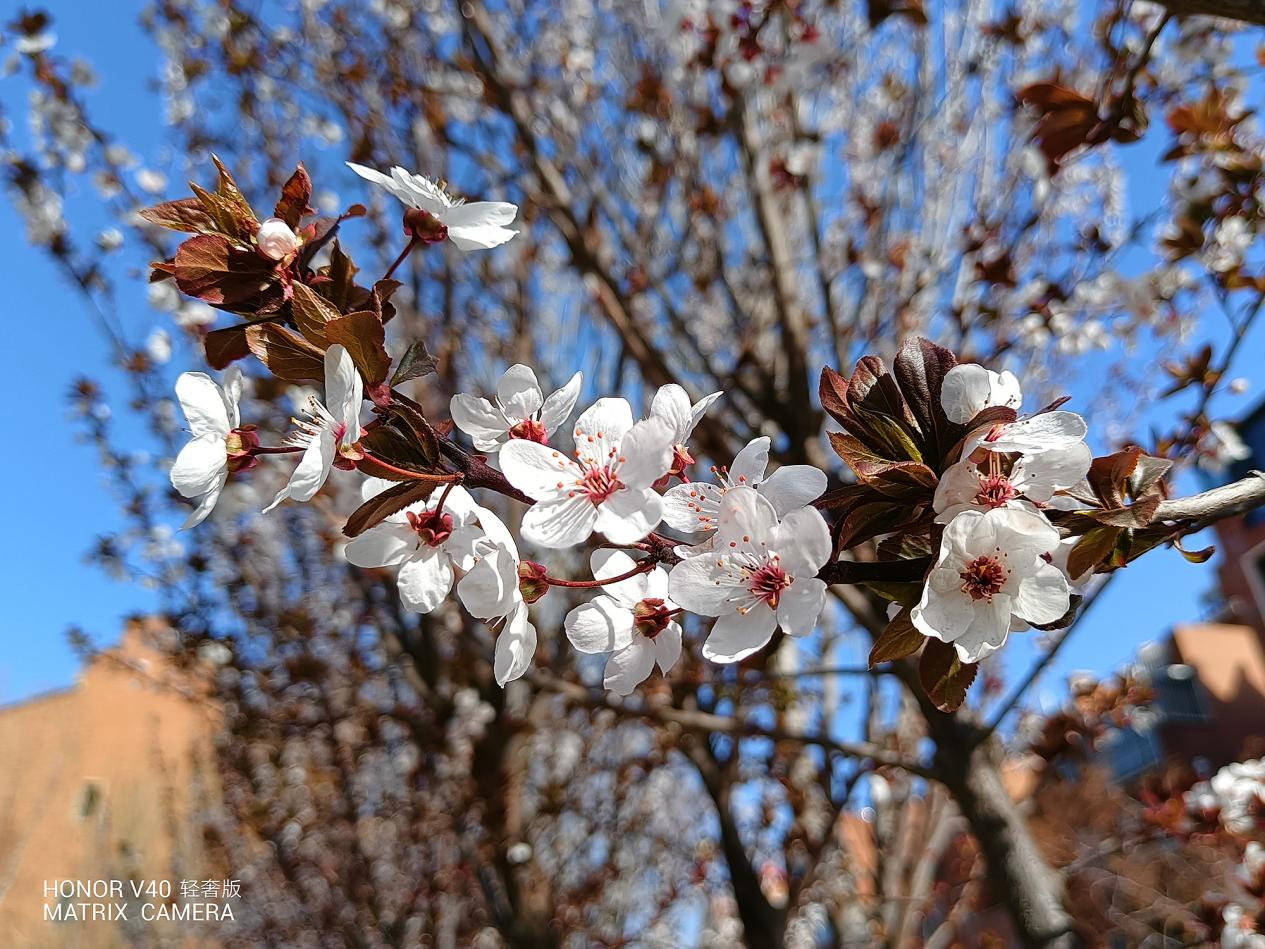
276	240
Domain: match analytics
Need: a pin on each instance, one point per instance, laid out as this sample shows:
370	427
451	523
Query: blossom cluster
944	463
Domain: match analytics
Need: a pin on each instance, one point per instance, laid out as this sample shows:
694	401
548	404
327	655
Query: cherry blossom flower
275	239
632	620
521	410
606	488
672	404
333	429
969	389
991	568
695	506
490	592
763	574
478	225
202	467
424	541
1026	483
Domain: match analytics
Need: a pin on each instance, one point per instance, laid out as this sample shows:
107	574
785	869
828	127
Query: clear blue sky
56	513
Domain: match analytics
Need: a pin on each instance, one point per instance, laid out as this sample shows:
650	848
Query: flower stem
408	249
644	567
450	478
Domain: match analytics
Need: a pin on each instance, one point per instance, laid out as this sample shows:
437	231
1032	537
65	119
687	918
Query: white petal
601	625
479	214
672	404
514	647
490	589
479	238
311	471
343	391
425	580
700	409
737	635
746	522
1038	476
750	464
385	545
519	393
800	605
600	428
793	486
692	507
1043	597
232	384
667	647
560	404
646	451
460	545
605	563
559	523
629	667
987	632
944	612
965	392
202	402
383	181
205	504
537	470
803	540
702	585
1046	432
418	191
959	485
200	464
629	515
479	419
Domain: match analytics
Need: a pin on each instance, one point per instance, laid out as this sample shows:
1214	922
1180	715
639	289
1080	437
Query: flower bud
424	226
531	580
276	240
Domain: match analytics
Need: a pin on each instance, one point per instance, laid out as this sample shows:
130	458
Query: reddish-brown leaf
293	205
899	639
945	678
364	338
287	355
394	499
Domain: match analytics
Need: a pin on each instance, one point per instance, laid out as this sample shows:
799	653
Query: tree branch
1248	11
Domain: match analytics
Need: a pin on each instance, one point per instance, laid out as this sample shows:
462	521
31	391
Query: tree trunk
1031	889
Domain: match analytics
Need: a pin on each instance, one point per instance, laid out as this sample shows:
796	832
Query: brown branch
1248	11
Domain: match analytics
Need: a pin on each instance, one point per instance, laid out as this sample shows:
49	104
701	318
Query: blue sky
59	510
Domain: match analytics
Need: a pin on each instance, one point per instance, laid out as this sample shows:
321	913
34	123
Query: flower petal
803	541
479	419
629	515
746	522
384	545
606	562
480	214
560	404
988	630
646	450
489	590
1044	596
205	504
629	667
383	181
343	391
200	465
692	507
672	404
965	392
311	471
202	402
793	486
600	428
737	635
800	606
519	393
560	522
425	580
601	625
667	647
537	470
514	647
700	408
750	464
702	585
479	238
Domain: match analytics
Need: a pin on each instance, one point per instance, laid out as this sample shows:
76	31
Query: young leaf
287	355
295	193
944	677
311	314
1091	550
363	336
185	214
225	346
415	363
899	639
211	268
920	368
381	506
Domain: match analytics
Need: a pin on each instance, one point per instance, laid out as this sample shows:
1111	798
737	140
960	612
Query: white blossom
631	619
672	404
201	469
1030	481
477	225
424	541
991	568
489	591
606	488
520	411
694	507
762	574
969	389
332	429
